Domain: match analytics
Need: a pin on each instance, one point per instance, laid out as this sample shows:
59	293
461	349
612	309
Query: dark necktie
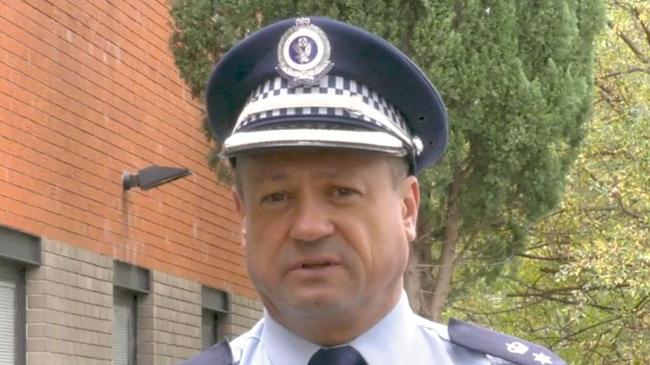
345	355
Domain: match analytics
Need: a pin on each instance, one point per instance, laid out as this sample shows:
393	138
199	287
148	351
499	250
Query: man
326	126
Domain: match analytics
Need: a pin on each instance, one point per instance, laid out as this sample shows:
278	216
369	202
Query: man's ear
241	211
410	190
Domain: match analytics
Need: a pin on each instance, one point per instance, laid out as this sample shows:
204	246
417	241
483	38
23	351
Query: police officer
327	127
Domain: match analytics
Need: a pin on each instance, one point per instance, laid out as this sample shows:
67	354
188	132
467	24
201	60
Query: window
8	295
125	306
214	316
213	327
12	315
17	252
130	283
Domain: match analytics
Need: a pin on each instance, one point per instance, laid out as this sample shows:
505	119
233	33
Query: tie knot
344	355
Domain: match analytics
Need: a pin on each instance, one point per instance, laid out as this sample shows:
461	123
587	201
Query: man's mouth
315	263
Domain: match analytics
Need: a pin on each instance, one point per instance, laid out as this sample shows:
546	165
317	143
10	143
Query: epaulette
499	345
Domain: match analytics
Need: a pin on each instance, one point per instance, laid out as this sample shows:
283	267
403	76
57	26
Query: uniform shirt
401	337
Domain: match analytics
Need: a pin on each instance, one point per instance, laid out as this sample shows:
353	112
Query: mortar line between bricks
170	136
151	92
170	261
119	234
102	178
165	51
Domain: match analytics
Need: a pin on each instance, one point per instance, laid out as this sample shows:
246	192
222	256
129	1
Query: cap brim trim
360	140
352	103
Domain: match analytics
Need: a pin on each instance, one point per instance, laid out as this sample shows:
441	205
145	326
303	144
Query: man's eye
343	192
275	197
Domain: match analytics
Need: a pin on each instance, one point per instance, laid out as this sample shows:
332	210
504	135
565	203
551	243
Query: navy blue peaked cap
391	82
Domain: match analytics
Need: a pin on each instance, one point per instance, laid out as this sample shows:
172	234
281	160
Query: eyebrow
335	174
331	174
278	176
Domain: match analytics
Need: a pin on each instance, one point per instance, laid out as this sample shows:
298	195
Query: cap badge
304	54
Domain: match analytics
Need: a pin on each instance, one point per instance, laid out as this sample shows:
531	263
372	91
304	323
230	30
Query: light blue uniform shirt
401	337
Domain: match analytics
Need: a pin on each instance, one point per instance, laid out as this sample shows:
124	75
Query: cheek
264	240
391	244
384	244
261	261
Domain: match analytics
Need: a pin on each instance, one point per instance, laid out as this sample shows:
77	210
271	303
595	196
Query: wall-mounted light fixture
152	177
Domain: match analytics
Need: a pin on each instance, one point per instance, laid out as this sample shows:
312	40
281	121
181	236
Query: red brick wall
89	89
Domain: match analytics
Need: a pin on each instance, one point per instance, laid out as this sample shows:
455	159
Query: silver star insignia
542	358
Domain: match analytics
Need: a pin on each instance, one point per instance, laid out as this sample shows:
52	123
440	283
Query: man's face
326	231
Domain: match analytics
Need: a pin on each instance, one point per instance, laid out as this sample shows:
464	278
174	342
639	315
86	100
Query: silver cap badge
304	54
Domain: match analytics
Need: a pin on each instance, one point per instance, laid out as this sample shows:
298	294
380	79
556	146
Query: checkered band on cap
336	112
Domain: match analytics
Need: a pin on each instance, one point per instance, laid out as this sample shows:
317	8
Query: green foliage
582	283
517	79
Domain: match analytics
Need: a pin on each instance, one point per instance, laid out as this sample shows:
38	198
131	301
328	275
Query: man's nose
311	221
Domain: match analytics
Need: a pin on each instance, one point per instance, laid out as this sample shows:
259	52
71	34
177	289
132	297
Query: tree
516	77
582	281
517	80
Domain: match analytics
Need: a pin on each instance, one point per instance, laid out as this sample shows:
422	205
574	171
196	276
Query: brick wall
245	313
69	307
87	91
169	321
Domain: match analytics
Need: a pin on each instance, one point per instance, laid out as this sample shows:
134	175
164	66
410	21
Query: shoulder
225	352
471	344
219	354
246	345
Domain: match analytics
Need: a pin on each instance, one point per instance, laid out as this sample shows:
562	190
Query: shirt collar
389	339
282	346
384	343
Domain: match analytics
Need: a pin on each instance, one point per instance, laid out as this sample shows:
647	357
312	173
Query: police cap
322	83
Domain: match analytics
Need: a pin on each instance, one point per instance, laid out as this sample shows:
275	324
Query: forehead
281	163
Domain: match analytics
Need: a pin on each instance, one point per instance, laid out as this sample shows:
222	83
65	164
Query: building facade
91	273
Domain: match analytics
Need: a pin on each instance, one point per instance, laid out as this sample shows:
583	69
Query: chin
317	303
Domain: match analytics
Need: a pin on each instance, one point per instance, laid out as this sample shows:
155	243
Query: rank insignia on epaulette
499	345
304	54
